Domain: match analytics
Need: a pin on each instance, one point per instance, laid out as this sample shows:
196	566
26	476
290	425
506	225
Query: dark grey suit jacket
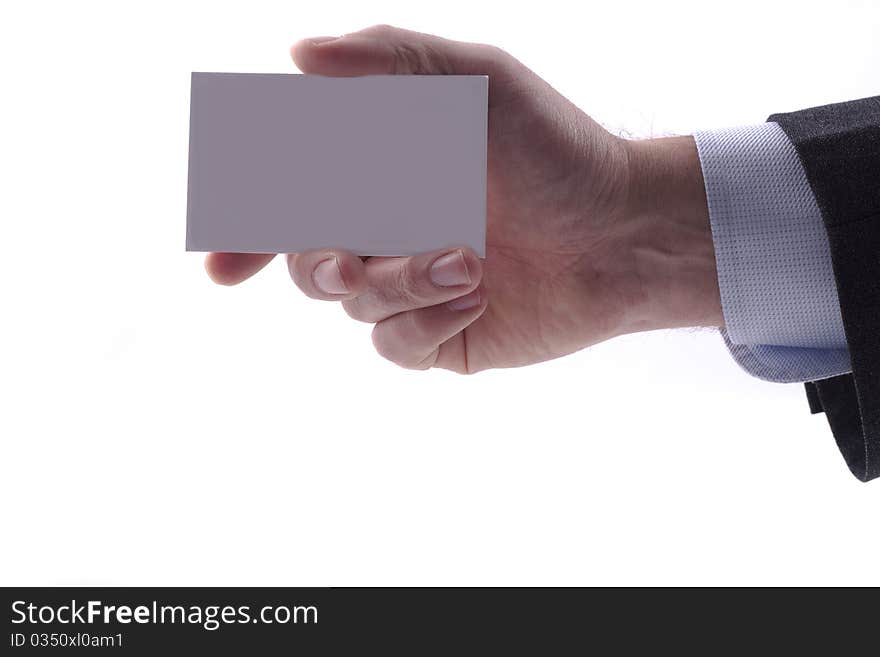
839	146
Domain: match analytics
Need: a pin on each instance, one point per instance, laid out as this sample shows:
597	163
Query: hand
589	236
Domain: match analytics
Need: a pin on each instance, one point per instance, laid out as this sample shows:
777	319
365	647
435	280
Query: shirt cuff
778	292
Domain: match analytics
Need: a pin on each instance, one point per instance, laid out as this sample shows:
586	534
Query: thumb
391	51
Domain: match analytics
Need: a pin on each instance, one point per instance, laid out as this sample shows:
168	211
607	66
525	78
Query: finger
396	285
413	339
233	268
388	50
328	274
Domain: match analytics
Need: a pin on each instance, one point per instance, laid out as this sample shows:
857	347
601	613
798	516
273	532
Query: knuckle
383	29
355	309
410	59
421	58
498	61
394	341
490	52
384	344
490	57
405	283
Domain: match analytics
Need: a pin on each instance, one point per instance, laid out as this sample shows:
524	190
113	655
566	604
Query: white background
157	429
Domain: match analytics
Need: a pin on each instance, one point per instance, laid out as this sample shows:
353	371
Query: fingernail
328	277
317	41
469	300
450	270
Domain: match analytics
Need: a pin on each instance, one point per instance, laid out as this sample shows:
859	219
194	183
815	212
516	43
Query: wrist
669	236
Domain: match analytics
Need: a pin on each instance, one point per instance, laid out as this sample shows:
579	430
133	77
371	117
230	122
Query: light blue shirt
778	292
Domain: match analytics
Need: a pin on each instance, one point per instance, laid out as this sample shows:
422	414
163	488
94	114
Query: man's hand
589	236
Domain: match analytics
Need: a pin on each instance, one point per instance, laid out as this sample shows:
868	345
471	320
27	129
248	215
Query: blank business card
379	165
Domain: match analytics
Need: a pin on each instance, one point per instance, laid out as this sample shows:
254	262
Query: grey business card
379	165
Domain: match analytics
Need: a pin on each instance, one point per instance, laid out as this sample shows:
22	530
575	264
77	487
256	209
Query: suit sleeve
839	148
